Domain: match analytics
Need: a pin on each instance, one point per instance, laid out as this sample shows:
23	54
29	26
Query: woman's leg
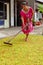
26	37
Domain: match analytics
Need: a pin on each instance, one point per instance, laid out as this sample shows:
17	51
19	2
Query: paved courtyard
12	31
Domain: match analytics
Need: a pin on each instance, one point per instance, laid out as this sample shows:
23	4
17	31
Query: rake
8	42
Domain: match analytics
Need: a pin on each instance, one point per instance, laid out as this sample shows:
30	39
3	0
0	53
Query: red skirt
28	28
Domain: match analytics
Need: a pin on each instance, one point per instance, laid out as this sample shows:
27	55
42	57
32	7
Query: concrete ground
12	31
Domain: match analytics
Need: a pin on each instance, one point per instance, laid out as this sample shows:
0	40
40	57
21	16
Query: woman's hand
27	20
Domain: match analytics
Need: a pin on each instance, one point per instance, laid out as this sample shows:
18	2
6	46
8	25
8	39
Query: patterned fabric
27	16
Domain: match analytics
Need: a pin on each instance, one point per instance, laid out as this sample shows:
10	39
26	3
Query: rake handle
18	32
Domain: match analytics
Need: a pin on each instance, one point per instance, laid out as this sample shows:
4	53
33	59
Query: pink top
29	14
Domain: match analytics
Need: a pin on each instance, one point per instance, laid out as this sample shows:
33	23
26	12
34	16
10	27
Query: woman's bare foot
26	39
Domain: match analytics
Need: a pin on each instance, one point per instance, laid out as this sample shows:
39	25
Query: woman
26	17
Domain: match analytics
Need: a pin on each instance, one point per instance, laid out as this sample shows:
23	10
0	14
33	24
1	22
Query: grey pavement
12	31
